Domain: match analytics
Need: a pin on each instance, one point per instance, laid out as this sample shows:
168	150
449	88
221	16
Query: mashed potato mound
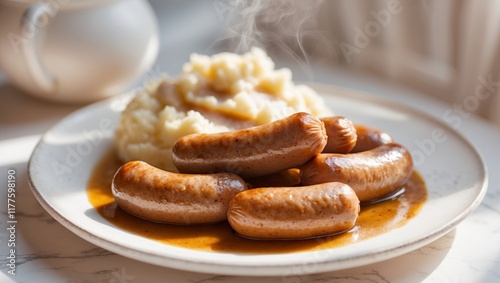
212	94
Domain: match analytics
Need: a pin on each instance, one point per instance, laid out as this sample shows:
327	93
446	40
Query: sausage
369	138
162	196
294	212
341	134
372	174
255	151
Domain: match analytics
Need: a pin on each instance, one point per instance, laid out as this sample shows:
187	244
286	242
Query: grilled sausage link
372	174
341	134
255	151
294	212
158	195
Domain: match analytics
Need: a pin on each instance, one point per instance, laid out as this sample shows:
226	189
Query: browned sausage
158	195
372	174
341	134
369	138
294	212
255	151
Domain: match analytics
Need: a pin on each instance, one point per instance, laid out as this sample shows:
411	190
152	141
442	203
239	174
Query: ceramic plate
453	170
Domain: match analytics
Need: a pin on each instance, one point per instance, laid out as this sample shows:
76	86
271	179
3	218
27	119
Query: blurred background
447	49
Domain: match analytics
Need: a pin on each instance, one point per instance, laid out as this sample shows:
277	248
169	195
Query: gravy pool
373	220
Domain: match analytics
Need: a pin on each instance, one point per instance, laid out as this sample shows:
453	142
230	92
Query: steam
274	25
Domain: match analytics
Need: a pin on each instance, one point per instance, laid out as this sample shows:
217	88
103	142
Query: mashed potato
212	94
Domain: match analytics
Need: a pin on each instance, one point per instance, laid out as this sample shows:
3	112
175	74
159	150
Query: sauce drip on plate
373	220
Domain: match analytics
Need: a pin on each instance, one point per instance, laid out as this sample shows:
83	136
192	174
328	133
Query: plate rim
269	270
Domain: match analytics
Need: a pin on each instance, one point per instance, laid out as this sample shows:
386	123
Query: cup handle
33	19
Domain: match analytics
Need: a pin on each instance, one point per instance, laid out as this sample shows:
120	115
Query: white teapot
76	50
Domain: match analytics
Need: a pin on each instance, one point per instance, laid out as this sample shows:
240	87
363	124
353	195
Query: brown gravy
374	219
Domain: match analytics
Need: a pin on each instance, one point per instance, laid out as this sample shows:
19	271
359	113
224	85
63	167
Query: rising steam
283	25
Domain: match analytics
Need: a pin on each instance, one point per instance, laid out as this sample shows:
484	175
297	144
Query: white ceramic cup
76	50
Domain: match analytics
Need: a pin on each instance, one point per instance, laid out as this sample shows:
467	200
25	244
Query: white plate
453	170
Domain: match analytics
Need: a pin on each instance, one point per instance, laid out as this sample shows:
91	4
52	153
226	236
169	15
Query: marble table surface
48	252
